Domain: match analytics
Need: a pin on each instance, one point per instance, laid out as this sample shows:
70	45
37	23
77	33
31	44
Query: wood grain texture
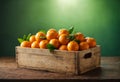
90	63
110	69
43	59
58	61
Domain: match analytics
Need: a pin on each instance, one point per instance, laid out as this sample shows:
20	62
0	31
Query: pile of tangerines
61	40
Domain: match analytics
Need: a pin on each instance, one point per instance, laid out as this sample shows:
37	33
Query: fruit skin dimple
91	42
38	35
84	46
63	39
63	47
55	43
43	44
35	44
73	46
25	44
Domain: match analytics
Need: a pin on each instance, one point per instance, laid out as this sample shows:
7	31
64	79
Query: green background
95	18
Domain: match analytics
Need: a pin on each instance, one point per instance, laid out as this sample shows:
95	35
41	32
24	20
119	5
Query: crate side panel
87	64
62	62
97	55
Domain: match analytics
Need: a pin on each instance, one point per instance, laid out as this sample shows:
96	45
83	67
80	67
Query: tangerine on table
84	46
63	39
63	31
25	44
43	44
79	36
51	34
63	47
32	38
91	42
73	46
39	35
35	44
55	43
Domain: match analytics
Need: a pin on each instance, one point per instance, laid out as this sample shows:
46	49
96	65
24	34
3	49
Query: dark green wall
96	18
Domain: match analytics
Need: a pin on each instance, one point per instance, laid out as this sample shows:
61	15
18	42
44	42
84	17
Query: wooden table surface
110	69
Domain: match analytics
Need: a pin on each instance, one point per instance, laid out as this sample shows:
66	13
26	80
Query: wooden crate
73	62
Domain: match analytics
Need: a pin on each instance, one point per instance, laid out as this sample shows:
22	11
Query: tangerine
73	46
91	42
35	44
84	46
32	38
25	44
63	39
63	47
43	44
55	43
39	36
52	34
79	36
51	30
63	31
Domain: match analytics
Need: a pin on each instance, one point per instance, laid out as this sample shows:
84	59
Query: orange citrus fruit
79	36
25	44
35	44
43	44
84	46
63	31
55	43
63	39
39	36
63	47
73	46
52	34
32	38
91	42
51	30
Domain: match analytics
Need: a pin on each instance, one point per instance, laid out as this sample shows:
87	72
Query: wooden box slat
92	62
74	62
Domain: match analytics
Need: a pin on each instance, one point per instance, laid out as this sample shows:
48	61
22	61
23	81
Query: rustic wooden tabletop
110	69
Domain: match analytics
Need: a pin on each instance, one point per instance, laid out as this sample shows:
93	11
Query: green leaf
50	47
78	41
20	40
24	37
71	37
71	30
28	36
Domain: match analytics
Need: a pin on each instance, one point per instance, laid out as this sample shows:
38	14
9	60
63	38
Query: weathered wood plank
110	69
56	61
89	59
74	62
